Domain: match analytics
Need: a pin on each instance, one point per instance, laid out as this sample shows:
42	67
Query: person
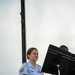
31	67
63	47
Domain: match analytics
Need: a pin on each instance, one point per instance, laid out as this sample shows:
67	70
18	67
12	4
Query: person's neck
33	63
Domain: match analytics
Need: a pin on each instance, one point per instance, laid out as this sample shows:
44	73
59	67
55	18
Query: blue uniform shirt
28	69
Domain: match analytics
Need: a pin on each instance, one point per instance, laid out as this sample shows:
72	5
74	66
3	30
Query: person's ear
28	56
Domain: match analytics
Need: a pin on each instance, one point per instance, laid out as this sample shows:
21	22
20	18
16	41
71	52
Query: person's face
33	56
66	49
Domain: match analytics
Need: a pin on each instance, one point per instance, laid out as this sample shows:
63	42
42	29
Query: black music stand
57	62
71	68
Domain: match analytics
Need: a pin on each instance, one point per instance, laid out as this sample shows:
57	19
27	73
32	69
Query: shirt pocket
31	72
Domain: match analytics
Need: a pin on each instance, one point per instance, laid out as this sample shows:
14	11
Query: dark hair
30	51
63	47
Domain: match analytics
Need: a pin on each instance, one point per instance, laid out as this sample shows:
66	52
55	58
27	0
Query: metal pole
23	30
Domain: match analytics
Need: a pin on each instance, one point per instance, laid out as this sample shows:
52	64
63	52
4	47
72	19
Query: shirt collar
30	65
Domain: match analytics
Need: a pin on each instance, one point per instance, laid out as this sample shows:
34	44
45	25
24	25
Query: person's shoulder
38	65
25	64
23	69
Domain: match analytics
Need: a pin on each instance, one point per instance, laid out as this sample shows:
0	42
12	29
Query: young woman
31	67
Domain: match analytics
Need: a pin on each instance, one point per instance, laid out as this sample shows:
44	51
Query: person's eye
35	53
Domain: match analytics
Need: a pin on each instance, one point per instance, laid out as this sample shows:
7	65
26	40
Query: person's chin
36	59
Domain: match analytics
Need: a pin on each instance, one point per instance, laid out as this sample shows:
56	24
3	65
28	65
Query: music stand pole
58	66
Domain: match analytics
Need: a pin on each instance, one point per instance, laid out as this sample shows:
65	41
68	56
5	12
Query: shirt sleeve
23	70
